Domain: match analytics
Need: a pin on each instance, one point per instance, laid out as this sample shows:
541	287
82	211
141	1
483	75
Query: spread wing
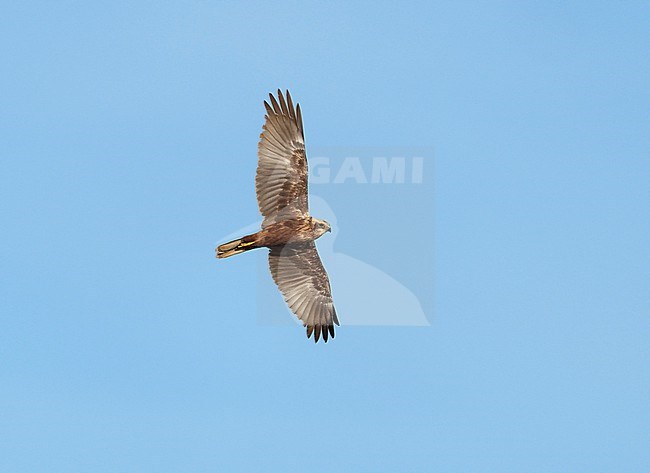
281	180
301	277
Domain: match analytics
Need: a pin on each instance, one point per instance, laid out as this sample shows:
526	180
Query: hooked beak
329	229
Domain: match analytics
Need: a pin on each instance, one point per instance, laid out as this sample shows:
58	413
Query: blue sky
128	140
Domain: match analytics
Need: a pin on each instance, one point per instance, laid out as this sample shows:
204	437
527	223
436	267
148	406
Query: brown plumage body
295	231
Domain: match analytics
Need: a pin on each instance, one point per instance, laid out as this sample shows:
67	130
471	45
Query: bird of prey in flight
287	229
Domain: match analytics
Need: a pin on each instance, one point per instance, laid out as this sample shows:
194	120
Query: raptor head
320	227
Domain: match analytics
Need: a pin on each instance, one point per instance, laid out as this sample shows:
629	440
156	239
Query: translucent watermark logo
377	170
379	254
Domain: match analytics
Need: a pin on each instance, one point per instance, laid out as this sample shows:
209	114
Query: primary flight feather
288	230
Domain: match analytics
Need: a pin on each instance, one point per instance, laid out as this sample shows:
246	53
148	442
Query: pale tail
234	248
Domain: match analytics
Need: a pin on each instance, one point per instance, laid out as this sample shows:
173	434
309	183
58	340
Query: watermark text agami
376	170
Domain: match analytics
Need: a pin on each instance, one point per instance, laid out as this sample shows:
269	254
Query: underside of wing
281	180
301	277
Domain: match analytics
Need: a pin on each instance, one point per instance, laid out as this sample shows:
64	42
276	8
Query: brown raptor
288	230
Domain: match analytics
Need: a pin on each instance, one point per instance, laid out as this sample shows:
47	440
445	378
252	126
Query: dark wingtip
292	110
280	95
283	104
299	120
276	106
317	337
268	108
327	332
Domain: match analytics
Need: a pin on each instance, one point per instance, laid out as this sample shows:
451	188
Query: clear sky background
128	135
